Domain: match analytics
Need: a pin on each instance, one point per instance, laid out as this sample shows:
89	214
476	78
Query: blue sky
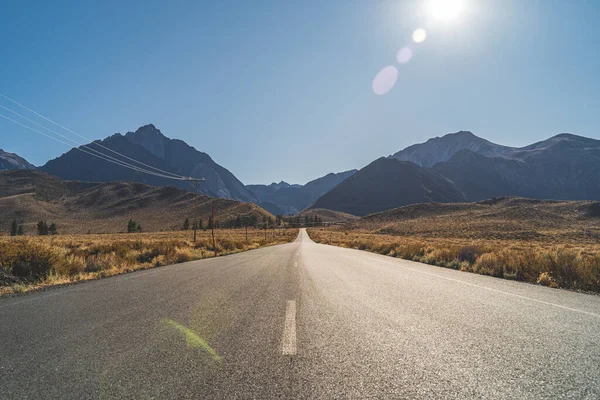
278	90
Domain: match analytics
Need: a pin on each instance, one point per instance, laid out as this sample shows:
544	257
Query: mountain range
151	147
456	167
148	145
286	199
563	167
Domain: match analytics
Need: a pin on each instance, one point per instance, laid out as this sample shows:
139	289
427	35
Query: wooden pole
196	213
213	230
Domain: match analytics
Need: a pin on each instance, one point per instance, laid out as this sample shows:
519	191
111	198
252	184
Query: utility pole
213	229
197	204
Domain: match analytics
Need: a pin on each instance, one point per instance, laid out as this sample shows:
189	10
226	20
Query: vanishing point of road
300	320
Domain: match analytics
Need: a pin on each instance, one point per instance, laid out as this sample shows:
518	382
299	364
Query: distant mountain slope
151	147
564	167
440	149
10	161
500	218
481	177
291	199
79	207
389	183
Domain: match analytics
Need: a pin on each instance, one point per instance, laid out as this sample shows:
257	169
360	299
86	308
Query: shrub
546	279
69	265
563	267
31	260
469	254
490	264
100	262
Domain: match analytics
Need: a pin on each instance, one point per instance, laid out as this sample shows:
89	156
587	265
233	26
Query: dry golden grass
28	263
571	261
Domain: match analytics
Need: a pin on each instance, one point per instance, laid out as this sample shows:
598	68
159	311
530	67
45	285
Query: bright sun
445	9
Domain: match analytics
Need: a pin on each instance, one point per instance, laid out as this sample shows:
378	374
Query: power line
75	133
101	156
104	156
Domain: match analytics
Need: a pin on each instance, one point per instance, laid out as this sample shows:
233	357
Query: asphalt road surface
300	320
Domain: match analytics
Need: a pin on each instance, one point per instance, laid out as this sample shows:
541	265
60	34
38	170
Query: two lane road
300	320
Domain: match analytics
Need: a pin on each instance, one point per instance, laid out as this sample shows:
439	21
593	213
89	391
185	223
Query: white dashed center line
289	329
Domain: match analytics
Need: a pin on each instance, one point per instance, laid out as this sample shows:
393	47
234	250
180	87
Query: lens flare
404	55
419	35
385	80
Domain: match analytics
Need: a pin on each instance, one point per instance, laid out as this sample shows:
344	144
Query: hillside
283	198
329	216
149	146
504	218
79	207
388	183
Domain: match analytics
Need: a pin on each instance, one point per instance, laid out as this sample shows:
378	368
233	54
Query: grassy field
567	266
551	243
28	263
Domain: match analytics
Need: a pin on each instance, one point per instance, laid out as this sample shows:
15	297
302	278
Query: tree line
18	229
252	220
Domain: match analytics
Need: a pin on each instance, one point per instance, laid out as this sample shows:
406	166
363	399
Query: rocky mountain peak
440	149
9	161
149	137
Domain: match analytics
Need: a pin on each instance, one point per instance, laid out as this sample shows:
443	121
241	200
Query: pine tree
52	230
20	230
186	225
200	223
132	226
238	222
14	228
42	228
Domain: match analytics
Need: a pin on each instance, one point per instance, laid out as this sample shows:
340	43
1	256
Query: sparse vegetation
556	265
550	243
38	261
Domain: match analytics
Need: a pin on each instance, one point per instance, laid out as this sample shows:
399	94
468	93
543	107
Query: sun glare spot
419	35
404	55
445	9
385	80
